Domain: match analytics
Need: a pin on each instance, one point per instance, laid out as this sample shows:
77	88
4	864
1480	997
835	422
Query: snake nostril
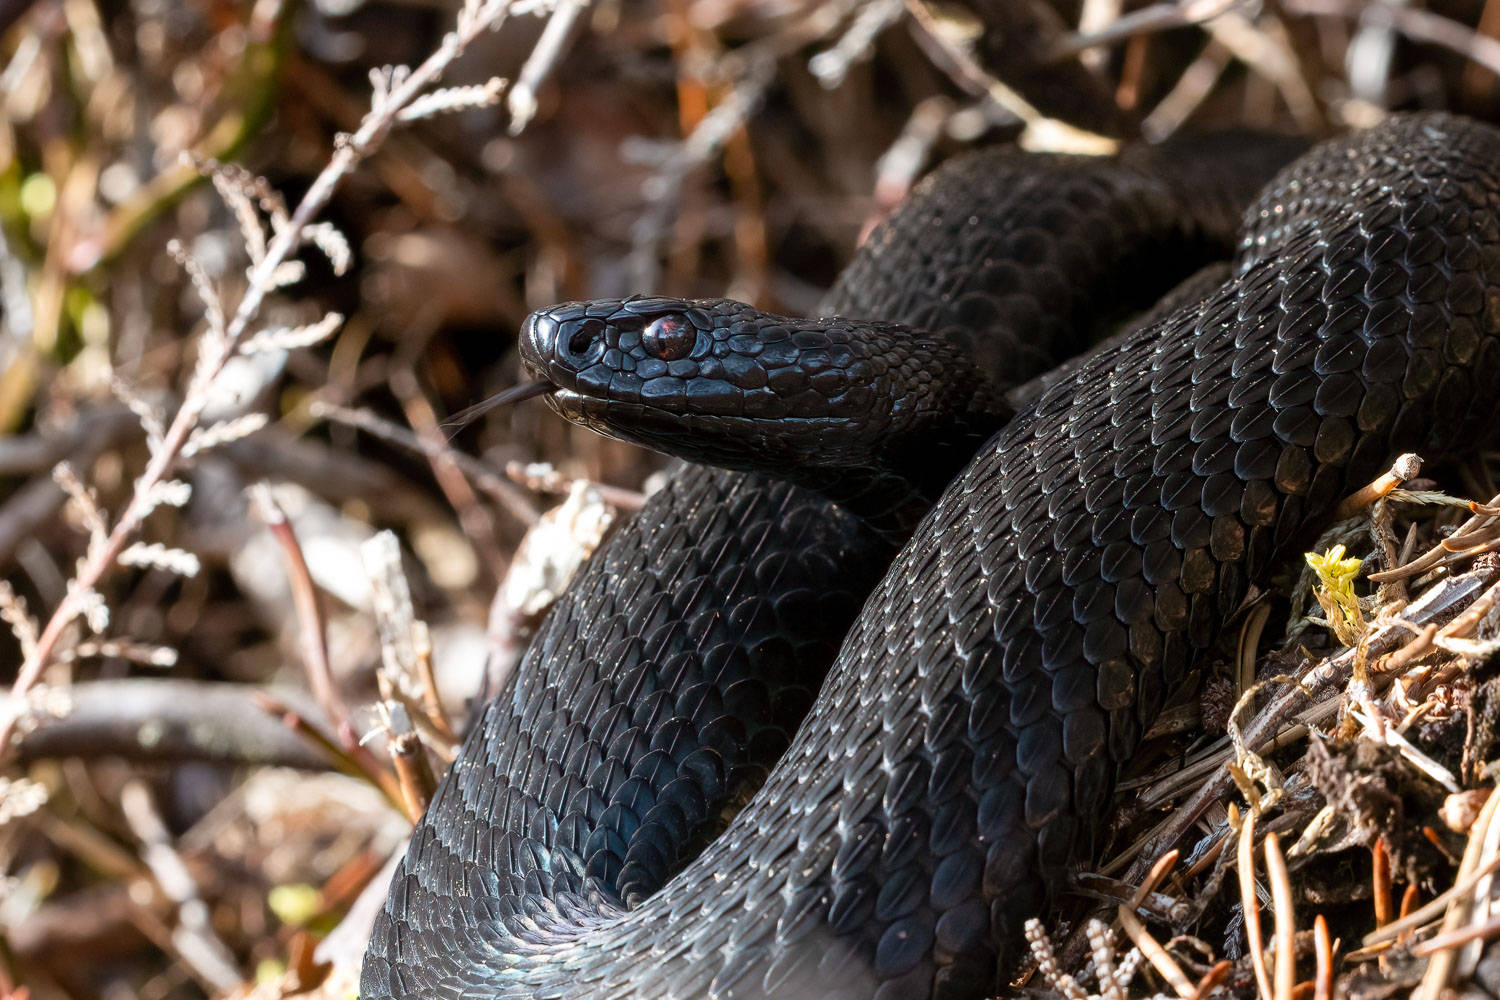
583	340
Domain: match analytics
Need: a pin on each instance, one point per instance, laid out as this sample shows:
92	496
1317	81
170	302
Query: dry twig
396	92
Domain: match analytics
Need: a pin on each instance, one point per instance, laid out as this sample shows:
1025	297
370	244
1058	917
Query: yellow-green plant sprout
1335	592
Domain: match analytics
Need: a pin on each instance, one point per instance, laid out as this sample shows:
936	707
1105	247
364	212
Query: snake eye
669	337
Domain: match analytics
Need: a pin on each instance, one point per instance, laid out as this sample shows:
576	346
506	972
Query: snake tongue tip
515	394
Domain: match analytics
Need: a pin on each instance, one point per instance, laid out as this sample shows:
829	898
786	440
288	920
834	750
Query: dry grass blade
1381	733
1458	938
1432	909
1264	46
1158	956
1426	26
1286	919
1472	615
194	938
1249	645
515	501
544	478
1474	868
1438	553
1190	92
1250	904
1323	953
1041	132
1380	877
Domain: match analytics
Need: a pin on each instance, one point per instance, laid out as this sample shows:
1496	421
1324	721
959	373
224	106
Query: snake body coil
964	744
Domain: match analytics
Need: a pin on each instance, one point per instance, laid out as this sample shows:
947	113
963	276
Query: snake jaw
586	410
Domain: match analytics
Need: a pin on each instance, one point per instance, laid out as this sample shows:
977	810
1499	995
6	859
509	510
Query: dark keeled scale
964	744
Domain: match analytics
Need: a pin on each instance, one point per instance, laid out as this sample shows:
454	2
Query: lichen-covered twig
396	91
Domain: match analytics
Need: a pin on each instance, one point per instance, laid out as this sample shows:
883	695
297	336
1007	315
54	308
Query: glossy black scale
957	758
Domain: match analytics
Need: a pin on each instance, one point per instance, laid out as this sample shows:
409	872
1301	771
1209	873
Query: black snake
897	821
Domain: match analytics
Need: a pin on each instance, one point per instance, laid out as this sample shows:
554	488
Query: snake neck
942	406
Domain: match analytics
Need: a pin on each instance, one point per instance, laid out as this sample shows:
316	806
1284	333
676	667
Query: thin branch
196	942
1147	20
498	488
474	20
150	719
309	613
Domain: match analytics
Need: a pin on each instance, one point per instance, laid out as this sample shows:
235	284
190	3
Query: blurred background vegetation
167	829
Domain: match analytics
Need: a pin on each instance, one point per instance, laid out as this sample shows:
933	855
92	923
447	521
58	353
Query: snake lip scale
669	800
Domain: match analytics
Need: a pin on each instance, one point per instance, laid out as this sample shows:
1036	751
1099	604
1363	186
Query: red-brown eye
669	338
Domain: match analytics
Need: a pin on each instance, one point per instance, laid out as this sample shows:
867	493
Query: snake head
719	381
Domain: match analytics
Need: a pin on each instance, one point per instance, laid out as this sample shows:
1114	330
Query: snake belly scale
960	752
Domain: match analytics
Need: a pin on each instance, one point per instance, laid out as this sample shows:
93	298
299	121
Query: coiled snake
906	814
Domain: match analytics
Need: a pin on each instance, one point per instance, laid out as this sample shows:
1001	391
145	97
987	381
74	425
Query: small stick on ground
1405	467
449	475
1147	20
543	478
516	503
1454	939
1432	909
413	769
1471	872
1438	553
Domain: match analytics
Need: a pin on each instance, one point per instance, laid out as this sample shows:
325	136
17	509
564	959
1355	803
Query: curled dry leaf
554	548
